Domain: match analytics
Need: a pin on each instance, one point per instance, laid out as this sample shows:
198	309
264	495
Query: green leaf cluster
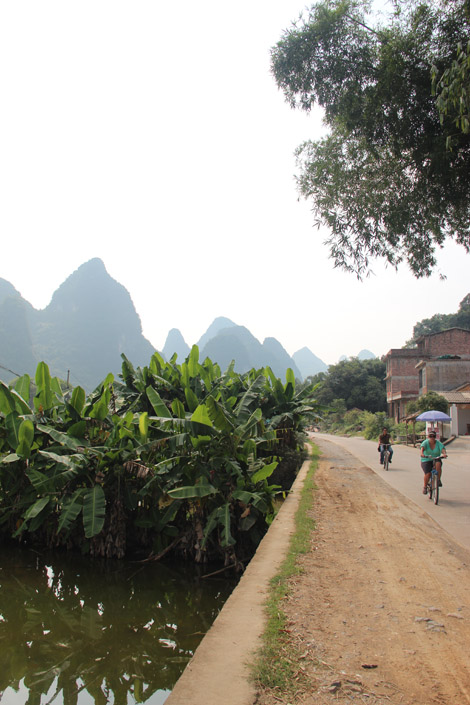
169	457
390	180
431	401
360	384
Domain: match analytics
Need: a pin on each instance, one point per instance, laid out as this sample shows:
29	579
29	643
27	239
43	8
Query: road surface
406	476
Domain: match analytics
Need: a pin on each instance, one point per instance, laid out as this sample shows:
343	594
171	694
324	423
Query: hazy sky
152	135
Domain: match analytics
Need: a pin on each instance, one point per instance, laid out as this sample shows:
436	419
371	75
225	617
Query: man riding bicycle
431	448
385	440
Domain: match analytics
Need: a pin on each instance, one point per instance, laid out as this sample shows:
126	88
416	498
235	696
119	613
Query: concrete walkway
219	672
406	476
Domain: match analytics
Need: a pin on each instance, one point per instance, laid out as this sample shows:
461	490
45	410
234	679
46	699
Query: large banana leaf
71	509
201	415
12	424
157	363
193	361
25	438
7	403
251	395
94	510
65	460
185	378
191	399
144	426
225	520
158	404
193	491
36	508
64	439
77	399
220	516
254	498
289	389
178	408
23	387
264	472
100	409
56	387
39	480
219	415
21	406
10	458
246	430
44	397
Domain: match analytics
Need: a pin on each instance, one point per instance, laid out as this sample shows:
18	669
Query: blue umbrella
433	416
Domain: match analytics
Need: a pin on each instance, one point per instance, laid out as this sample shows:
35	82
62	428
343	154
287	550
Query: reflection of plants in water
111	632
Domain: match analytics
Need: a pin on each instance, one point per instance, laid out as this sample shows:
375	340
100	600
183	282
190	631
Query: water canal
77	631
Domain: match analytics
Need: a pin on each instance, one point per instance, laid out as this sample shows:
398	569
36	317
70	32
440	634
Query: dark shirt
384	438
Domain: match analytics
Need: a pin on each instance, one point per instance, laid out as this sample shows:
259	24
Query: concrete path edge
219	670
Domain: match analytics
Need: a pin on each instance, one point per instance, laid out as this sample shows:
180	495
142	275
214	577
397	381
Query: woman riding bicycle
431	448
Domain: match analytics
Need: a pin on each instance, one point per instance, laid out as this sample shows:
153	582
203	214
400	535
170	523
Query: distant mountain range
91	320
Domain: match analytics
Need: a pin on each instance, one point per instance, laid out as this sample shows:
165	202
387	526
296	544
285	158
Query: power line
17	374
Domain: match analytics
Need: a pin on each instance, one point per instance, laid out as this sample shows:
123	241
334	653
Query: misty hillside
91	320
308	363
175	343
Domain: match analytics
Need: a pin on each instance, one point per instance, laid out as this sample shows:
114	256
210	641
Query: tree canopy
390	180
428	402
360	383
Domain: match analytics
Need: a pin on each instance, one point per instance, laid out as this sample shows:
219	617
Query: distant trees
359	383
428	402
442	321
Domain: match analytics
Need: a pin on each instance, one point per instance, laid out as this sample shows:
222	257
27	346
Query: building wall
401	380
454	341
402	377
444	375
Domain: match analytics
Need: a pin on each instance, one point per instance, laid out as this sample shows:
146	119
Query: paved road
405	475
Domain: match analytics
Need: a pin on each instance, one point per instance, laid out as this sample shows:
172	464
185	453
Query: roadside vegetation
278	664
182	459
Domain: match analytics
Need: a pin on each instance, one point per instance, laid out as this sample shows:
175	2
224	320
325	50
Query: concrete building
459	410
440	362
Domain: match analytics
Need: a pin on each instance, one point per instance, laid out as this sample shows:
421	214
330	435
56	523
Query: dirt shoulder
381	612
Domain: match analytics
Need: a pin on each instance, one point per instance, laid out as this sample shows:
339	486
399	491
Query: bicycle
433	482
386	456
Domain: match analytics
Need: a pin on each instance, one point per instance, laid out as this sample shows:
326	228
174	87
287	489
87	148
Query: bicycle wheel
430	487
435	487
386	459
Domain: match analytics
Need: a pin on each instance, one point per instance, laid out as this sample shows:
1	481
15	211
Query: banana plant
169	455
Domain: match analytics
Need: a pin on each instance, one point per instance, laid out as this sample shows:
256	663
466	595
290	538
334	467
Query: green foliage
384	180
171	456
428	402
355	422
360	383
442	321
374	423
452	87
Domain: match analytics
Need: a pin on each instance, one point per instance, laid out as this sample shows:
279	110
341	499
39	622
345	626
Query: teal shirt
438	448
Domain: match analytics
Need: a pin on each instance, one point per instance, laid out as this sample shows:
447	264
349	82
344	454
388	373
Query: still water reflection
84	632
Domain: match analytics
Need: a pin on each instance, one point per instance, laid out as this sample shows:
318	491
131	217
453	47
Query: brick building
439	362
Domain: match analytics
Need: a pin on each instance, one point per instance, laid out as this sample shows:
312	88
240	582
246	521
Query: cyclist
385	440
431	448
